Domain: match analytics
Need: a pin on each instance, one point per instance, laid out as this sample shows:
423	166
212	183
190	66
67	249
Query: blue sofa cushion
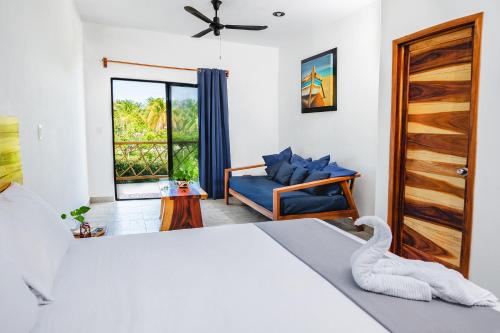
272	170
259	189
284	155
335	171
300	161
284	173
316	175
312	204
319	164
298	175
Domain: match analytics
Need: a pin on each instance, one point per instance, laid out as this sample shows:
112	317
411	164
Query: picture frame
319	82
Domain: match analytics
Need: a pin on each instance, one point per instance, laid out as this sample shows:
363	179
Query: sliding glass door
155	132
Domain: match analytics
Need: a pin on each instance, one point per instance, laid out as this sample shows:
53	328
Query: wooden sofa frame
346	183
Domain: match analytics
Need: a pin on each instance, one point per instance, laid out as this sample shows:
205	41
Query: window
155	132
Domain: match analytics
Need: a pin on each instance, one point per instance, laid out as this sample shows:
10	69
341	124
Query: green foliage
185	173
147	122
137	122
77	214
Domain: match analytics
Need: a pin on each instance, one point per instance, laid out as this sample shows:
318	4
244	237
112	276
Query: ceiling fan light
279	14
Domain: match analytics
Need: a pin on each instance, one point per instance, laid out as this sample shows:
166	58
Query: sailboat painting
319	82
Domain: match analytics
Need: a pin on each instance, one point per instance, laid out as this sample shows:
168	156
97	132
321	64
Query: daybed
279	202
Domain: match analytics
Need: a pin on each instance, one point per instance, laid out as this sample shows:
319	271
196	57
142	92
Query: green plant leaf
64	216
84	209
80	218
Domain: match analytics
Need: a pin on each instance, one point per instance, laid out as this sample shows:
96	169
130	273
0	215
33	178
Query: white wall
252	89
41	82
349	135
400	18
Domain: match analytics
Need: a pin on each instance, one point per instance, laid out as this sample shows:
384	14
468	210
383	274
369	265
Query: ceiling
169	16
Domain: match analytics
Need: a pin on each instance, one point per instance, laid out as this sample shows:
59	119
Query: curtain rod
106	61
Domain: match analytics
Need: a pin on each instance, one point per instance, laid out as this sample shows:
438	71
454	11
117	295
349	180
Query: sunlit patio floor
145	190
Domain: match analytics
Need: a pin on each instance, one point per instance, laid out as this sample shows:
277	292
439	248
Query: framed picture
319	82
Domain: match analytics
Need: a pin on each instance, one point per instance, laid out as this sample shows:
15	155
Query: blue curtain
214	151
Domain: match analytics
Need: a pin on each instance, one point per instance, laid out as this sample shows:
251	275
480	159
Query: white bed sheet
219	279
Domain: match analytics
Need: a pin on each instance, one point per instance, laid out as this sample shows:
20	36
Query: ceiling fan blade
246	27
196	13
202	33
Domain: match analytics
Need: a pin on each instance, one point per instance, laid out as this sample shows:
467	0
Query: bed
222	279
271	277
219	279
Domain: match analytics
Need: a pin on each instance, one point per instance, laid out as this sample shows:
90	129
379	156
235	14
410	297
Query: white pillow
33	237
18	305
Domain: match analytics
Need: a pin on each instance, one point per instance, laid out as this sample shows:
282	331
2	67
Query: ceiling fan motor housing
216	26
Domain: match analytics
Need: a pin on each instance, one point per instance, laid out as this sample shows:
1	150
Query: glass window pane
140	133
185	131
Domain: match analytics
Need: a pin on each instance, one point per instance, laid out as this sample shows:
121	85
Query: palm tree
125	114
185	118
155	114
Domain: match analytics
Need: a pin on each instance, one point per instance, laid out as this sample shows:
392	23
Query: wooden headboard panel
10	153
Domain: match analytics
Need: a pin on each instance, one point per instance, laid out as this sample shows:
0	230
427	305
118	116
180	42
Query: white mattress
219	279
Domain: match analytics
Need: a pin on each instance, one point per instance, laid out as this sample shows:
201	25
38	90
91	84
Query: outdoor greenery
139	122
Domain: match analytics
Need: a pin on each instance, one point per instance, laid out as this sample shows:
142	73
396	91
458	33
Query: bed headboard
10	152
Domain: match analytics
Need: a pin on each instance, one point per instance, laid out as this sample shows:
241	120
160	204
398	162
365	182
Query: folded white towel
411	279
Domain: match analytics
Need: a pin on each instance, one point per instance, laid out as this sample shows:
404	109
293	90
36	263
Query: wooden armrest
244	168
314	184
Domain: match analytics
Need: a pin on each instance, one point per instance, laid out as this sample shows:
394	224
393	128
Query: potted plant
79	216
184	176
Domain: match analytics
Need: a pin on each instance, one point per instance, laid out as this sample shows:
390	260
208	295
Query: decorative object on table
10	156
180	207
184	176
79	216
214	150
319	82
94	232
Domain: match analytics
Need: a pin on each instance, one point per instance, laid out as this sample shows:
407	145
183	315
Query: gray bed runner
328	253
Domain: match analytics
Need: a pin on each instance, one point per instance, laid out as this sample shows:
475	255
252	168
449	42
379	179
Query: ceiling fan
215	25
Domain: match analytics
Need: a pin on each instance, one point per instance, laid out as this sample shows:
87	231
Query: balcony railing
141	160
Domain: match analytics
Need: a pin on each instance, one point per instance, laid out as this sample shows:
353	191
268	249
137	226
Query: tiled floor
139	216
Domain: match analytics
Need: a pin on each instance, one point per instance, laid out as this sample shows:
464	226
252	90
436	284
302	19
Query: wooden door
433	145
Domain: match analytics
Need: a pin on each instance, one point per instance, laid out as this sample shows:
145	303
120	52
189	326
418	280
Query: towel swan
410	279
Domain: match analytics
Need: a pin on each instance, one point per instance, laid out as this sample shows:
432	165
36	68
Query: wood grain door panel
433	135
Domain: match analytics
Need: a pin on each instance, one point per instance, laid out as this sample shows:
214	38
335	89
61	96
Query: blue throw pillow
300	161
273	169
315	175
318	165
298	175
284	173
335	171
284	155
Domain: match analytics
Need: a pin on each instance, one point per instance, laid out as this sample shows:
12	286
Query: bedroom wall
349	135
41	82
252	88
400	18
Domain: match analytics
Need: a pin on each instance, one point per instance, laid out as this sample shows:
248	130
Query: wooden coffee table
180	207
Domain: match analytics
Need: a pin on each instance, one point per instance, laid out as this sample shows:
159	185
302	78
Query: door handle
463	171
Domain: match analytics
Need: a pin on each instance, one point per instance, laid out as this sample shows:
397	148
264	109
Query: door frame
168	101
398	128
